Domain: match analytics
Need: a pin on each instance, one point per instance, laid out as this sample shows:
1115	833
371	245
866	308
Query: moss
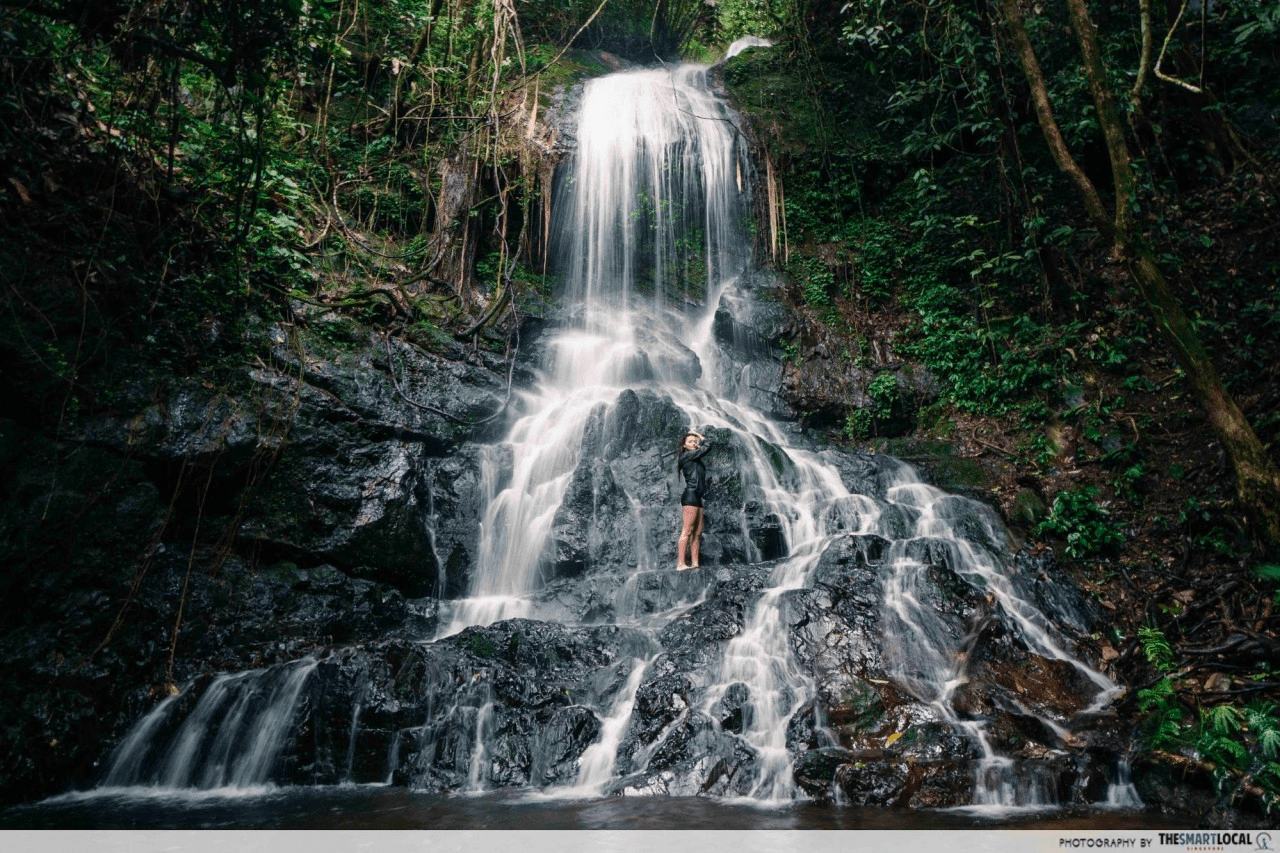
778	460
953	472
946	469
481	646
571	68
1028	509
935	421
284	569
864	708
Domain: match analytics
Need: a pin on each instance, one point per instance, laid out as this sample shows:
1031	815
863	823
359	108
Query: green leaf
1267	572
1269	740
1223	719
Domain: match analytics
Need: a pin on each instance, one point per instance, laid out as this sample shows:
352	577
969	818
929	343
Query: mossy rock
956	473
946	469
571	68
1028	509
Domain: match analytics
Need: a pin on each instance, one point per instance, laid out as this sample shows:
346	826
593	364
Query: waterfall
1120	792
654	197
651	240
923	655
596	767
231	739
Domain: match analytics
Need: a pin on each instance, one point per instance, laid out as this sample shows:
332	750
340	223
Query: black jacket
694	472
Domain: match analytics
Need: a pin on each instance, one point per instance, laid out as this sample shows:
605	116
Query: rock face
521	702
323	508
311	499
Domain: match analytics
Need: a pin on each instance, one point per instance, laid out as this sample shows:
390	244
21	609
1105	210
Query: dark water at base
372	807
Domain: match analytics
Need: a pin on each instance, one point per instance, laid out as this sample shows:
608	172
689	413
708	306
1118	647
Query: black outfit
696	482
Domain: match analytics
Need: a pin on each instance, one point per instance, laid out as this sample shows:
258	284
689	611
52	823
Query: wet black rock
317	509
877	781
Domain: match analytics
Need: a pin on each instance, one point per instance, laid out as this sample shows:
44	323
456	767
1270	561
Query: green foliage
1162	714
859	424
1269	572
1210	525
884	396
302	144
1241	743
987	366
737	18
877	248
1156	648
953	95
1087	528
1222	719
815	278
639	30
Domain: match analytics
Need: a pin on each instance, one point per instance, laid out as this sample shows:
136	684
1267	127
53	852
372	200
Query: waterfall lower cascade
853	634
230	739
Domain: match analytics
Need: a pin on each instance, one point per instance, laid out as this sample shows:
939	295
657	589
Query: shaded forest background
172	170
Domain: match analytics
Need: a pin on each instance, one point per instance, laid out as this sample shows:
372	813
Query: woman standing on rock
689	461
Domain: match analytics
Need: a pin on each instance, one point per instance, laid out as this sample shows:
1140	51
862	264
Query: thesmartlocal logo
1206	841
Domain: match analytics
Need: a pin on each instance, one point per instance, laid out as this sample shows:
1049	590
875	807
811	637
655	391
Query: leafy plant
883	394
1162	712
1077	517
1156	648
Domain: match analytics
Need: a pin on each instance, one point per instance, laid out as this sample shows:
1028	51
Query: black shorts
690	497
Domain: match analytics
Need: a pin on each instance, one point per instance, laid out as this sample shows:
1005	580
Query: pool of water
394	808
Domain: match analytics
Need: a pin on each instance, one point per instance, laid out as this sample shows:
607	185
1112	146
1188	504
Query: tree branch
1049	125
1144	63
1190	87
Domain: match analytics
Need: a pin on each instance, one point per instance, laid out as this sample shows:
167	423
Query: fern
1269	775
1156	648
1259	711
1168	729
1261	715
1156	697
1269	740
1223	719
1163	714
1230	753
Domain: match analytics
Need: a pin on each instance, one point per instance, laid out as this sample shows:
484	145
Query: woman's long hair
680	447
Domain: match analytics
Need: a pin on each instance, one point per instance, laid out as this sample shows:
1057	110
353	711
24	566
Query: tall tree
1257	476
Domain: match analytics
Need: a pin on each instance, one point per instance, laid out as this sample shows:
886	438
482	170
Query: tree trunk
1257	476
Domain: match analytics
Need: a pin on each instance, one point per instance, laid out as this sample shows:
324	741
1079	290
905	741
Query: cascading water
596	767
658	168
919	643
230	740
651	237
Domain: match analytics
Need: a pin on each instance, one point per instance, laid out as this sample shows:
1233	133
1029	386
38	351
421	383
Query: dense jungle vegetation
1064	212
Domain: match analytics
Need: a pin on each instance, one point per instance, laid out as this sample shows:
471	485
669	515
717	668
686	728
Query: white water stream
659	166
230	740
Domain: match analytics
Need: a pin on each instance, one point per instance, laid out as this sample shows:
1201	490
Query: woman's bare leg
690	517
695	537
